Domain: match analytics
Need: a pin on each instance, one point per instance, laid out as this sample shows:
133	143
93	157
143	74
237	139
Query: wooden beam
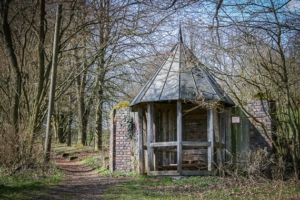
179	136
150	136
196	144
140	141
164	173
163	144
210	138
183	143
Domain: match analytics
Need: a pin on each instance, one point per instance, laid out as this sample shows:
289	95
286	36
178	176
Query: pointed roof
181	77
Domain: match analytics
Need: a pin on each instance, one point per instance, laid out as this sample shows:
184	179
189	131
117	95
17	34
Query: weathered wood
155	135
165	106
228	135
184	143
171	134
195	156
184	167
163	144
164	173
195	144
233	132
145	137
165	134
150	136
140	141
217	136
223	133
112	142
245	137
210	134
179	136
219	145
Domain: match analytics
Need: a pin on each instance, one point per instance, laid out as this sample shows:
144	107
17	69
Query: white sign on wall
235	120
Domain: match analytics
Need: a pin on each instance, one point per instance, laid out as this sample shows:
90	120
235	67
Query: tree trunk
99	118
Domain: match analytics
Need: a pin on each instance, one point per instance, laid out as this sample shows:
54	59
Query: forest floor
77	180
80	180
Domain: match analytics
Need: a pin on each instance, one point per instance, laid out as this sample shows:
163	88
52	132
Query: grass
28	184
208	187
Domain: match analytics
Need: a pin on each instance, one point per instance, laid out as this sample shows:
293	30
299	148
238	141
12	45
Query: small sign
235	120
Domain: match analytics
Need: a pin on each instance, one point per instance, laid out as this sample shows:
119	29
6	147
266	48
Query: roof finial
180	34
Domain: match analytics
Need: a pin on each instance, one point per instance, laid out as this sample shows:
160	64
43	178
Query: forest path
80	181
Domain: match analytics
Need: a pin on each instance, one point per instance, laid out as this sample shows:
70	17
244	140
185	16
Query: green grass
24	186
207	187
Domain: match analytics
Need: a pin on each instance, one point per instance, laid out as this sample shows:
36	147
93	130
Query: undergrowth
25	184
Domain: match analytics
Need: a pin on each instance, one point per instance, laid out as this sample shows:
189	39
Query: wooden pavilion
179	135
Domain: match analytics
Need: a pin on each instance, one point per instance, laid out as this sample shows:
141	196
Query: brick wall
262	129
122	152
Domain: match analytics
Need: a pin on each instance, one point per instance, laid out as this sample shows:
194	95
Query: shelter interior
183	138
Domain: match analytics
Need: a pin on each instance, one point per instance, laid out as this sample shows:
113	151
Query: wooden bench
192	159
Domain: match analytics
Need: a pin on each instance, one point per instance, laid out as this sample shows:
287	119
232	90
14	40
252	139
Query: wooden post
165	134
233	133
244	134
171	135
228	135
179	136
150	136
210	138
217	139
223	132
140	141
112	142
53	83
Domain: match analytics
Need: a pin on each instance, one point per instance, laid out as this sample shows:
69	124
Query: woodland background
109	48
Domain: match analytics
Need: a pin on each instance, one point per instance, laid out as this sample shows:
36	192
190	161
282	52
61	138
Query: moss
122	104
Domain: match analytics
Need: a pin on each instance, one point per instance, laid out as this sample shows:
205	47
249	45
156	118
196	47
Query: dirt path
80	181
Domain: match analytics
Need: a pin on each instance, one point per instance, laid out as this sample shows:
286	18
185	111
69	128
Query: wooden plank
196	144
179	136
217	138
164	173
210	134
150	136
163	144
140	142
